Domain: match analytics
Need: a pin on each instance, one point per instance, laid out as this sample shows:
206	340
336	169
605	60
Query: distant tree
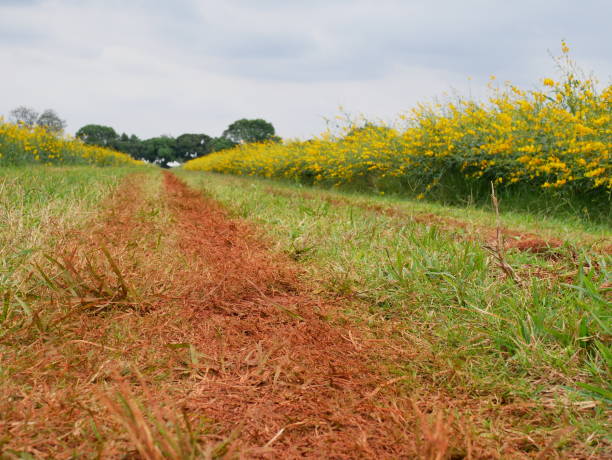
128	144
221	143
165	150
136	146
27	116
50	120
159	150
190	146
104	136
245	131
24	115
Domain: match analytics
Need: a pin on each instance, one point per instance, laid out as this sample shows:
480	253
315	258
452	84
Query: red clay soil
281	377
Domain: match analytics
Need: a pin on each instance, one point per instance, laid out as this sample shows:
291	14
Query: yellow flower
564	47
519	137
595	172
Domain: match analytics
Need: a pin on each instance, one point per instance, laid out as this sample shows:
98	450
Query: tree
50	120
104	136
245	131
29	117
190	146
128	144
159	150
221	143
24	115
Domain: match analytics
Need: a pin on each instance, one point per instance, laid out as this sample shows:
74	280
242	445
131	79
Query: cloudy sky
154	67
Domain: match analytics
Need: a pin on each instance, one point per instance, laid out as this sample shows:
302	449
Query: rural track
291	384
289	376
274	367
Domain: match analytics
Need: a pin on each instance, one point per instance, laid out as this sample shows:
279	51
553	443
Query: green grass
36	202
545	338
549	224
469	329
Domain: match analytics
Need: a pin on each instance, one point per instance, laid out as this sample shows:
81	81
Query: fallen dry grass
168	330
92	325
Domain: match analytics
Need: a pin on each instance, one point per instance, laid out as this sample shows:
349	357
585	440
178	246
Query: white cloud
159	67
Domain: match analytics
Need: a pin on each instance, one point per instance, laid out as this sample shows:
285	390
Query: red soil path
283	382
287	381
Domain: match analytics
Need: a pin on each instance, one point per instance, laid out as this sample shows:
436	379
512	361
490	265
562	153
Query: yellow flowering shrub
557	137
23	145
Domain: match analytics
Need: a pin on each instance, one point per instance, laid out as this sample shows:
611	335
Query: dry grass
89	324
165	329
37	203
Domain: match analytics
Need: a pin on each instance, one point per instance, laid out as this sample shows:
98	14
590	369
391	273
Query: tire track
287	381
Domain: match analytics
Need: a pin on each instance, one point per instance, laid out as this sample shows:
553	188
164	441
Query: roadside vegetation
21	144
36	203
33	137
528	325
543	149
166	150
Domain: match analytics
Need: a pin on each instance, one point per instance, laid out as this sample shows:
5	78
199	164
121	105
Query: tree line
161	150
166	150
29	117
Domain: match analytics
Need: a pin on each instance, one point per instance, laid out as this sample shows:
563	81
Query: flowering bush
556	138
22	145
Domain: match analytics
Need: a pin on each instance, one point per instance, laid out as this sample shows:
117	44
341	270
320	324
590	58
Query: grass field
143	319
543	336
